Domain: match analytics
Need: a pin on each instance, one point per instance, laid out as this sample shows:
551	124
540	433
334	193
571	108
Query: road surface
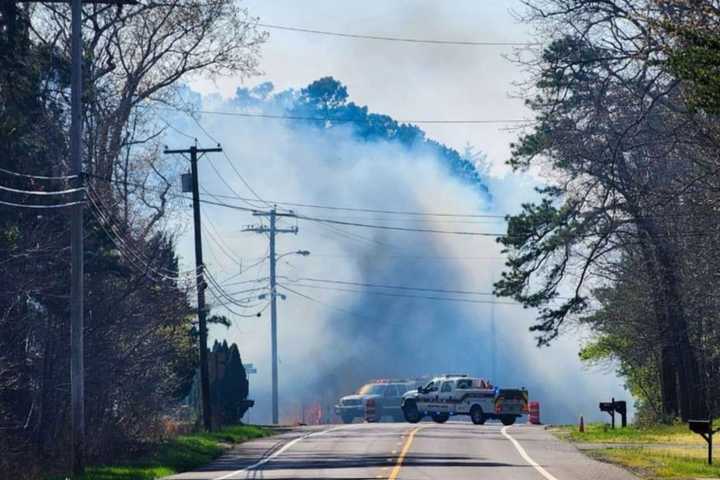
454	450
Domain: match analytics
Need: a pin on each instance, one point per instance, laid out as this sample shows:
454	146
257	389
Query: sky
331	341
406	81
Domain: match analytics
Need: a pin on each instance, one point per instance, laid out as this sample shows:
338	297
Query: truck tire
347	419
440	417
411	412
477	415
507	420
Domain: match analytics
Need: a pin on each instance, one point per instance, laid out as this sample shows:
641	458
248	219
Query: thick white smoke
331	344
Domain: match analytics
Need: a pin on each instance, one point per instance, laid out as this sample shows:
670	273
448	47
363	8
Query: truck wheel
440	417
507	420
347	419
476	415
411	412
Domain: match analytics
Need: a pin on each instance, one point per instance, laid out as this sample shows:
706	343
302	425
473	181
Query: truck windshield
372	389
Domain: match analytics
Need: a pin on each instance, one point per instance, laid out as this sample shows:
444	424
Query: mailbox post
705	430
607	407
613	406
621	408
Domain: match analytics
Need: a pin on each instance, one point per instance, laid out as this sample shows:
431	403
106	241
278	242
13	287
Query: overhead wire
227	158
320	302
41	192
40	207
414	213
403	295
399	228
124	248
394	287
306	118
471	43
37	177
215	237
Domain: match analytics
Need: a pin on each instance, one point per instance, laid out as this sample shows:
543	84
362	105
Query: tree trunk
690	388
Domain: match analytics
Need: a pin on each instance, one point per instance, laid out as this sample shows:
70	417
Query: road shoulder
246	455
561	459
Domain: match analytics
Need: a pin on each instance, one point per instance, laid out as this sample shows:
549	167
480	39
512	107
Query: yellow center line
398	465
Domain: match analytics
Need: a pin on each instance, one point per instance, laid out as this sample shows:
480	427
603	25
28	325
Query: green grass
661	451
659	434
178	455
651	463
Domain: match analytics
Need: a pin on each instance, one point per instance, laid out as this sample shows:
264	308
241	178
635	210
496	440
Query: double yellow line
398	464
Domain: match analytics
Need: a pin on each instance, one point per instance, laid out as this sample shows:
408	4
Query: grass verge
174	456
674	462
658	434
662	451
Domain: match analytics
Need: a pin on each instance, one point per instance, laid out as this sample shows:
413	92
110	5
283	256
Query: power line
324	304
403	295
132	256
226	250
331	221
37	177
372	210
237	172
420	257
466	43
395	287
42	193
33	206
306	118
400	229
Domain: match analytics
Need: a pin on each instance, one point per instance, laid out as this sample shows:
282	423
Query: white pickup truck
450	395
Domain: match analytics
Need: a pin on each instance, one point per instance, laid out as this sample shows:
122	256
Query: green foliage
229	386
181	454
695	58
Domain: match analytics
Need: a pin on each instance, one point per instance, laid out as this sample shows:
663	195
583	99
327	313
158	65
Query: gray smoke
333	343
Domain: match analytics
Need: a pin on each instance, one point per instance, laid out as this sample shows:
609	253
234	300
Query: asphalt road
454	450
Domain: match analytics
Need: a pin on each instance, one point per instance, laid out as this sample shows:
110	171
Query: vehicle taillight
498	408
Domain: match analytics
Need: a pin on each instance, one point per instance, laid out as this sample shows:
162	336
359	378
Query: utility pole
77	321
200	280
273	230
493	339
493	344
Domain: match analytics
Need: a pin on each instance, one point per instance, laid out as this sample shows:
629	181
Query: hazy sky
406	81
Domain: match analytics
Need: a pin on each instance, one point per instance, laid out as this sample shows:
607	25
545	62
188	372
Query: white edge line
280	451
527	457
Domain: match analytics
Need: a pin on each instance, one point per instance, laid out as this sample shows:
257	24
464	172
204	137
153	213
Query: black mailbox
619	406
701	427
704	428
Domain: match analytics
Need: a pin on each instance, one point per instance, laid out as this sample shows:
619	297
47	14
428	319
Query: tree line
139	333
623	238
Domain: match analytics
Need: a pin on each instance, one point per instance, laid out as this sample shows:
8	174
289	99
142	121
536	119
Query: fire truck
449	395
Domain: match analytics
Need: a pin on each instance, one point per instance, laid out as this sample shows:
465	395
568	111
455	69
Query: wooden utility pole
200	281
